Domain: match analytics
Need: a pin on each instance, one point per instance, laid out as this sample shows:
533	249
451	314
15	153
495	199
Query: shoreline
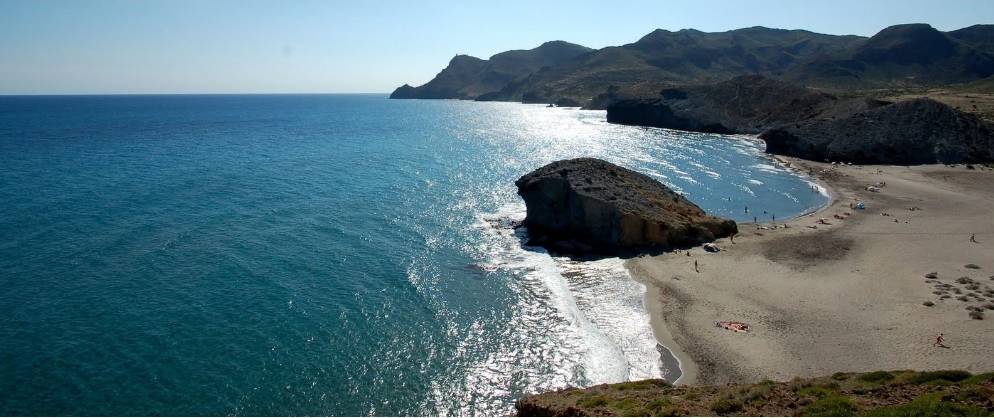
654	294
843	297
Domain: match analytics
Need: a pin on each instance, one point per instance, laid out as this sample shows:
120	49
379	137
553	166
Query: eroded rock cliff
586	205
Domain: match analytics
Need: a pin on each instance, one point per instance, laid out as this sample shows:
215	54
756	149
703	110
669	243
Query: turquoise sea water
319	255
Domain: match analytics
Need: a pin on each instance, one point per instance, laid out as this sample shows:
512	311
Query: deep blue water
318	255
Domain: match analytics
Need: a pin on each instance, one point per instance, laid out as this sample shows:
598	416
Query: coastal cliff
588	205
805	123
920	131
746	104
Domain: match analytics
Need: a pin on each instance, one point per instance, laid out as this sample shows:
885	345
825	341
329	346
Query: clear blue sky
246	46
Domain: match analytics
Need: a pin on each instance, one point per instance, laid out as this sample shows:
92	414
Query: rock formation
588	205
920	131
746	104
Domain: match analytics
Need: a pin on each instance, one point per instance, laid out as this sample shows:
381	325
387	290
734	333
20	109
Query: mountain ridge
901	55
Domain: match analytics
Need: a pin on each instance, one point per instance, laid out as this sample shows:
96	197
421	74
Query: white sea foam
603	323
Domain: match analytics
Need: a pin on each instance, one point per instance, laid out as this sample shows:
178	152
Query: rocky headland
919	131
805	123
586	205
745	104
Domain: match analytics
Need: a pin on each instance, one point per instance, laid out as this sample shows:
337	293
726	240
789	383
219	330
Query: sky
304	46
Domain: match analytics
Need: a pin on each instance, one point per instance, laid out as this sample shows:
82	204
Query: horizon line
183	94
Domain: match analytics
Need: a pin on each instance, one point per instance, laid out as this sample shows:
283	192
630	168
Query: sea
322	254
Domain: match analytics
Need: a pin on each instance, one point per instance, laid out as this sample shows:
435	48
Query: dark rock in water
567	102
588	205
746	104
920	131
505	223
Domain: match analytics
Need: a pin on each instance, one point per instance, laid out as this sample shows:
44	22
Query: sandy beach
847	296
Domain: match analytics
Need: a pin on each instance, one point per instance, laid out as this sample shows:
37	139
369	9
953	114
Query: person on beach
939	341
695	267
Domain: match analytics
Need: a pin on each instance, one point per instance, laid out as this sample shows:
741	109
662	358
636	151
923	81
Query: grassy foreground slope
895	393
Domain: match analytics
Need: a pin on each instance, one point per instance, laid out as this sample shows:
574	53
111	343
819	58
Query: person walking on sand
939	341
695	267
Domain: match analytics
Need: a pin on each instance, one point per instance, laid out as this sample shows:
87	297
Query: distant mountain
977	36
558	72
469	77
914	54
672	58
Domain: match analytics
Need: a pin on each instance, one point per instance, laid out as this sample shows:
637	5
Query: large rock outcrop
920	131
588	205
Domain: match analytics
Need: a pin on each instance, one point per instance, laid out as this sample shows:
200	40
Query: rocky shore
919	131
801	122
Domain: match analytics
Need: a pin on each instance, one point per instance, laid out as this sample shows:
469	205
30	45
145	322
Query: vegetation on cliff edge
882	393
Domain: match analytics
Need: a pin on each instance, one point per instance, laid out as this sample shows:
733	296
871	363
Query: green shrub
928	405
641	385
660	406
758	394
978	394
876	377
980	378
726	405
834	405
816	391
593	401
939	375
629	408
840	376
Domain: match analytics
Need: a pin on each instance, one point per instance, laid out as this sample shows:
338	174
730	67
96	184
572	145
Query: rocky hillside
469	77
914	54
898	393
746	104
586	205
919	131
902	55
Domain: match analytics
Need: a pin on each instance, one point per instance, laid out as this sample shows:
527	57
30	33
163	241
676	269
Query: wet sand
843	297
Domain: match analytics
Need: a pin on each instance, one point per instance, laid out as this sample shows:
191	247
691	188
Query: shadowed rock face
587	205
920	131
746	104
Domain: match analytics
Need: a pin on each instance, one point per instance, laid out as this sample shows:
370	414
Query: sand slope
843	297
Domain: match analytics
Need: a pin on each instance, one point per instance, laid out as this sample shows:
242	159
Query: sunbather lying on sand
732	326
